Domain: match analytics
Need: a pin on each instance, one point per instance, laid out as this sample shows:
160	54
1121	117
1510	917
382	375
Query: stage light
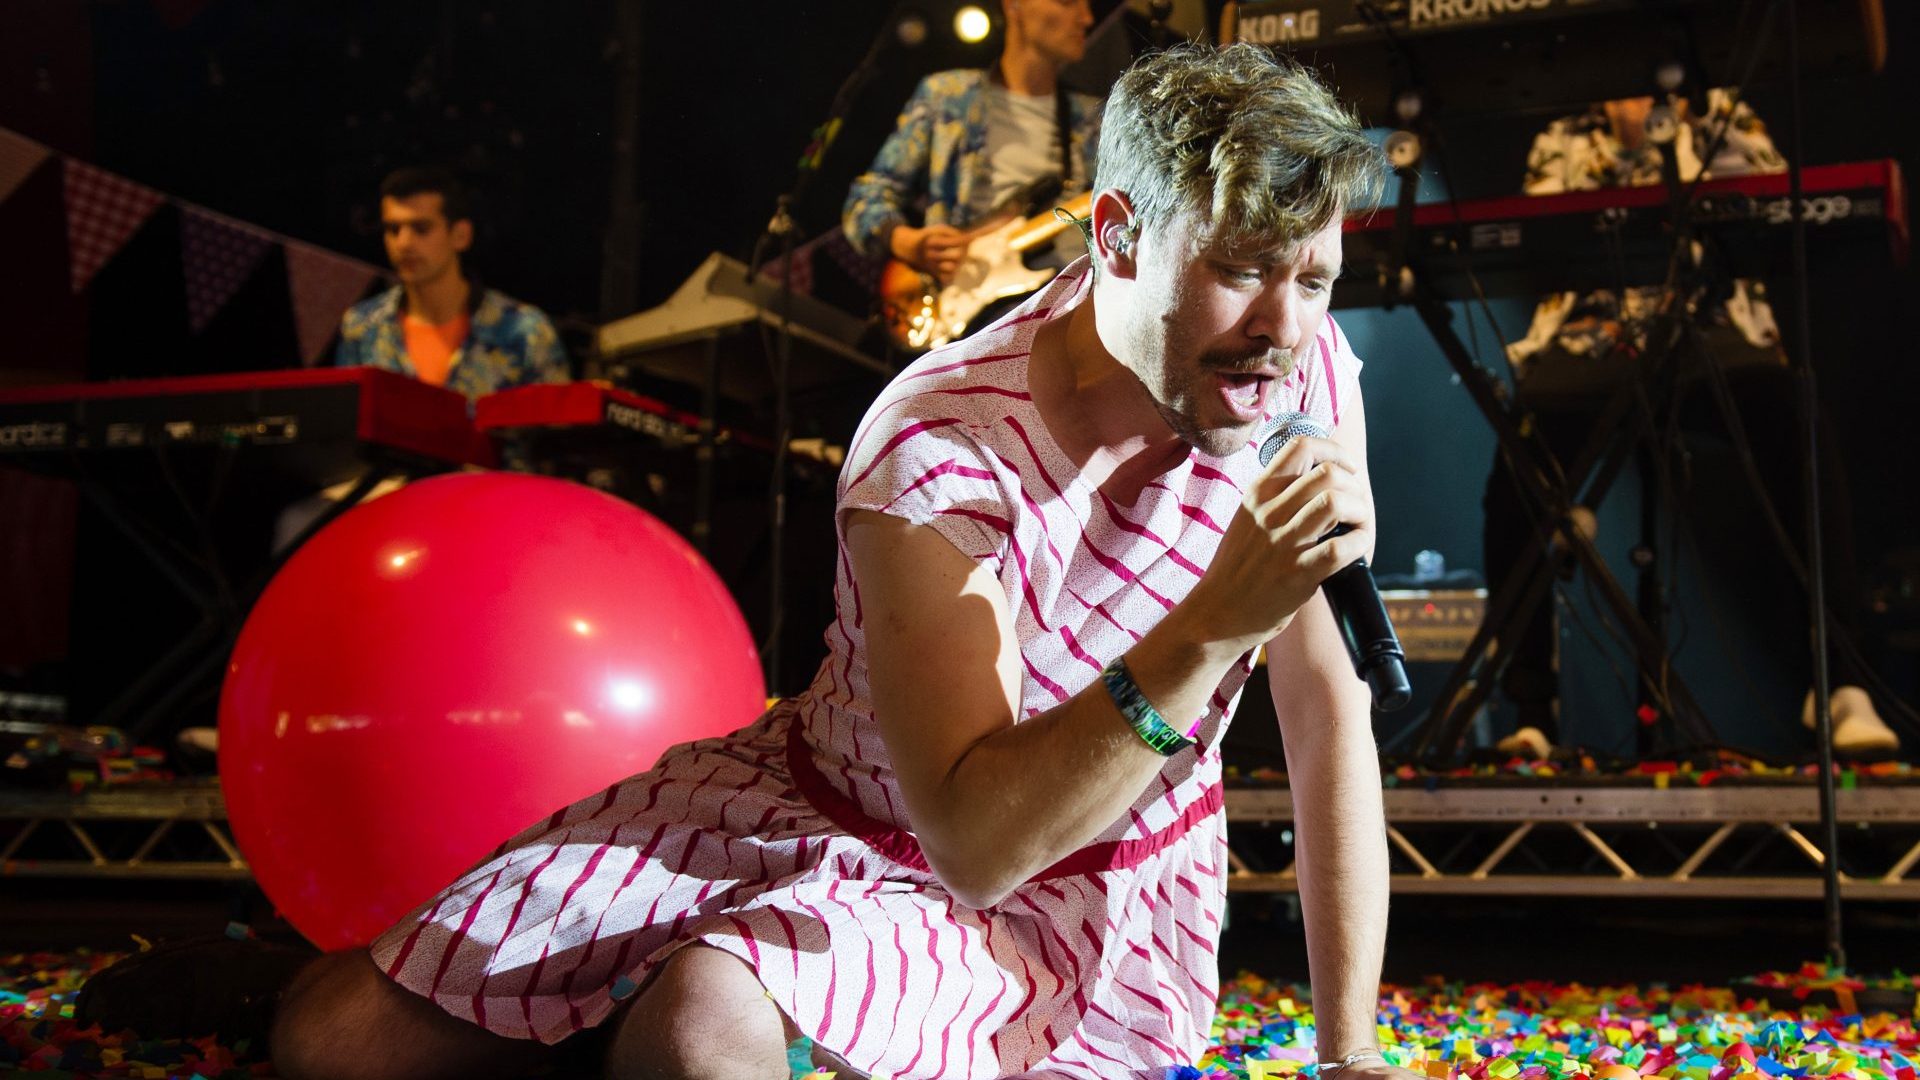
972	24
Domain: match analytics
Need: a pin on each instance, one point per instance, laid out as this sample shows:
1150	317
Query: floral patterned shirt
938	153
510	344
1582	153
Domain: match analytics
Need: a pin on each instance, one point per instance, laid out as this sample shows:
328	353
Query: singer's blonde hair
1253	142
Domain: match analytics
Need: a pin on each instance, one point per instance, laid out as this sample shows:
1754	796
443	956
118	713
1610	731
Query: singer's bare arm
994	802
1334	772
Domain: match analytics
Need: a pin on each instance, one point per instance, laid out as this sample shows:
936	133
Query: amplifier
1435	624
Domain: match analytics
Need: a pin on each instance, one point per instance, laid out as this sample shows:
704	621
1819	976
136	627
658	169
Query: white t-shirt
1023	144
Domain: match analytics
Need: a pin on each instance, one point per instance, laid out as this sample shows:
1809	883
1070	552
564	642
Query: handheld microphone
1371	643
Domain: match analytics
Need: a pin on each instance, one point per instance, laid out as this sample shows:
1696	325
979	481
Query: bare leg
704	1015
343	1019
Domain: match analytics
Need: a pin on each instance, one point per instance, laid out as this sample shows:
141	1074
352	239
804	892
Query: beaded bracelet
1328	1068
1145	720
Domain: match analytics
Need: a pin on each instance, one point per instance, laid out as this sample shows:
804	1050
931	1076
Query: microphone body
1354	597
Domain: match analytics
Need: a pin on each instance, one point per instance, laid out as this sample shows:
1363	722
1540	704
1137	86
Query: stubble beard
1180	410
1214	442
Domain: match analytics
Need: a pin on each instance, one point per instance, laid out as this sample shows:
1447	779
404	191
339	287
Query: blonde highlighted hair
1253	142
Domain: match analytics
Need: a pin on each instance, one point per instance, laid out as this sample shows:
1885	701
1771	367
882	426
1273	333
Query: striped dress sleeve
1328	377
930	471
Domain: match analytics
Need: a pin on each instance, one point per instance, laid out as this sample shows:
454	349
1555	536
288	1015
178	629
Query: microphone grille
1284	427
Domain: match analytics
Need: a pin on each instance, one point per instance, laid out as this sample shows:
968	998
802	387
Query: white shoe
204	739
1857	728
1529	742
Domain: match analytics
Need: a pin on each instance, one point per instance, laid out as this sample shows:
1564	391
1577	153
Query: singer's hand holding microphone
1308	521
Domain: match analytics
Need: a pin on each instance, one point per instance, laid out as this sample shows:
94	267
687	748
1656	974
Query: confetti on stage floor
39	1037
1705	769
1532	1031
1544	1031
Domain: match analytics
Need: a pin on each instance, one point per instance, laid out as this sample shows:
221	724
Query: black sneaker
196	987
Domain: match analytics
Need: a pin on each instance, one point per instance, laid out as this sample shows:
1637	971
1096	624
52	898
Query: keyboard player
1581	346
439	325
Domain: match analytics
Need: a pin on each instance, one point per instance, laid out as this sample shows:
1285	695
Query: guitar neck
1040	228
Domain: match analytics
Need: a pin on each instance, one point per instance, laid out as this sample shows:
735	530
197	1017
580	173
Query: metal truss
1724	841
141	831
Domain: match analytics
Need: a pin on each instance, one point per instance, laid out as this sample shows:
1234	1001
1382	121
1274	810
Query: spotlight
972	24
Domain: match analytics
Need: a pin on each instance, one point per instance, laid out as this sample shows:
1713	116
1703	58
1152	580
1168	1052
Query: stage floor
1809	1025
1526	876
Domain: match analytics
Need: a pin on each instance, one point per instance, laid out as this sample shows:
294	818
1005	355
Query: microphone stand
782	228
1543	484
1158	14
1816	556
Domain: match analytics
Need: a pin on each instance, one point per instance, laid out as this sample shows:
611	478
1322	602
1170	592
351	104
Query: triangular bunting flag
862	268
322	285
176	14
103	213
775	268
218	255
18	158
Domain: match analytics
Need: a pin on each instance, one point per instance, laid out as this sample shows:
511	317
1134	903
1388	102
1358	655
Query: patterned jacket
510	344
938	152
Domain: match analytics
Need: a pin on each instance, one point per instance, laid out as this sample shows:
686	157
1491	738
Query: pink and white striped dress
786	843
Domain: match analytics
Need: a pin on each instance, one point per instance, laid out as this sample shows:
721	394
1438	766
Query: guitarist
968	140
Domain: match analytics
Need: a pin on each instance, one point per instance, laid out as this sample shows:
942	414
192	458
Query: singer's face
1214	329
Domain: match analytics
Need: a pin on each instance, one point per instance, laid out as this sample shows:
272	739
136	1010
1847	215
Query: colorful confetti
1705	769
1264	1031
38	1035
1545	1031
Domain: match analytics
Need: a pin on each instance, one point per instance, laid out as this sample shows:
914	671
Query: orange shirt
431	347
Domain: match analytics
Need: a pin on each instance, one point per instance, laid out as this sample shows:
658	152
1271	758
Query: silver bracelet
1328	1068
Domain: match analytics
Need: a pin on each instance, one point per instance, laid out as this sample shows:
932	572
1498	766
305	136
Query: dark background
286	115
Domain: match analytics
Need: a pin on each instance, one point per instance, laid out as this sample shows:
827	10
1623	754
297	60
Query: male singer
988	840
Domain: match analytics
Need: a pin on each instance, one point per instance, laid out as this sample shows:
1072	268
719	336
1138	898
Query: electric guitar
920	314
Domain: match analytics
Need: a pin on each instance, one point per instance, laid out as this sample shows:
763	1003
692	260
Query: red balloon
446	665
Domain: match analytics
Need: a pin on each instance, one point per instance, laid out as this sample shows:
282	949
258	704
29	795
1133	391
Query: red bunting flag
18	158
217	255
103	213
322	285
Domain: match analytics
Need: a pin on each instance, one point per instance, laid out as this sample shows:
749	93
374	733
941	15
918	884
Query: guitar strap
1063	124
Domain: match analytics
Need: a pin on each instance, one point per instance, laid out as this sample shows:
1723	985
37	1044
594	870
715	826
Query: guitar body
920	314
909	306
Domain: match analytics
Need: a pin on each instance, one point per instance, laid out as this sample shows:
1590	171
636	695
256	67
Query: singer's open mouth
1245	394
